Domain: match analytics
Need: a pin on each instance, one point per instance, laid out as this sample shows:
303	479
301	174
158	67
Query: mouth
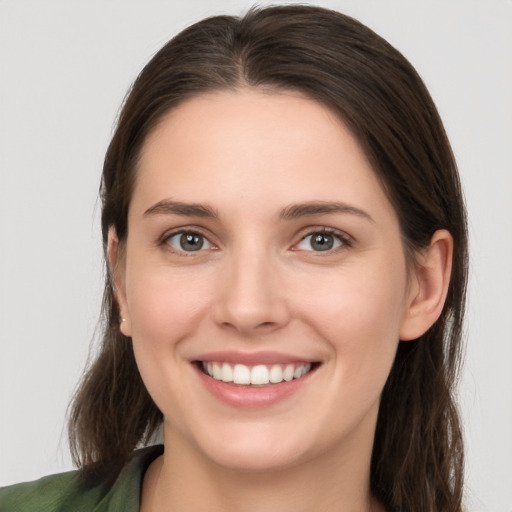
257	375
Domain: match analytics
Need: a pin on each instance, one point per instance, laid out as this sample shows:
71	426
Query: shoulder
65	491
70	492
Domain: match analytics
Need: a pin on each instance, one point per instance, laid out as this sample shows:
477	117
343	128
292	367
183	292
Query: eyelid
164	240
345	239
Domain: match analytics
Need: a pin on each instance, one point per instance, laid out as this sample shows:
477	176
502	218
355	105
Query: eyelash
342	238
166	238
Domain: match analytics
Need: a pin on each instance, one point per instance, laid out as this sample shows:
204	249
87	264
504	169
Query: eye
188	241
322	241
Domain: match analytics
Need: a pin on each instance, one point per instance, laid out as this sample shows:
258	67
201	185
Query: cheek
165	309
165	306
359	314
365	300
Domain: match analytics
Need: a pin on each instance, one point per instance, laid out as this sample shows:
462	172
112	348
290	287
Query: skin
258	284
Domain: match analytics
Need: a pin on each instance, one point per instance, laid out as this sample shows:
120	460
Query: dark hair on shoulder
417	461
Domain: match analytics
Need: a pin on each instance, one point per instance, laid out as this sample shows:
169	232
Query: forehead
259	145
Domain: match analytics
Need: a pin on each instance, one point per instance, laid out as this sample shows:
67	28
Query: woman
286	240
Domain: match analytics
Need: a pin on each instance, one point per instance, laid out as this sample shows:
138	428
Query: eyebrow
293	211
169	207
296	211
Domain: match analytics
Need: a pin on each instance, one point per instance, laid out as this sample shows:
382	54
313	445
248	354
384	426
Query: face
262	248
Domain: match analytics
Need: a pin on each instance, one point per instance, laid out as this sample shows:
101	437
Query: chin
257	448
252	458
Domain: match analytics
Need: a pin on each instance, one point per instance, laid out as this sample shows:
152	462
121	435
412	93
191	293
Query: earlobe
428	292
116	269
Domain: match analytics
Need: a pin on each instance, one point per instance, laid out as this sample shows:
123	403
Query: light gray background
64	69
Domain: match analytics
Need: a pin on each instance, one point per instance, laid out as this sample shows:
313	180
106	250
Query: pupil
191	242
321	242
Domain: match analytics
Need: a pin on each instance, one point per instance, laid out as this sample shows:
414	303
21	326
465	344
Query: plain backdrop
64	69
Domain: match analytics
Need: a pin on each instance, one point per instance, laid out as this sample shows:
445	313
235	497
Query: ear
429	286
117	269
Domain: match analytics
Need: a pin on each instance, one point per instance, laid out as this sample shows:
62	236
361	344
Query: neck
183	480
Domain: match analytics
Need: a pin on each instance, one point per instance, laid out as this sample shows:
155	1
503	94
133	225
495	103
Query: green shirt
67	492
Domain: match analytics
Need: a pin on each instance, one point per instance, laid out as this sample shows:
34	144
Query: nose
251	297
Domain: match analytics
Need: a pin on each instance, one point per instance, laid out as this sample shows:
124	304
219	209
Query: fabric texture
68	492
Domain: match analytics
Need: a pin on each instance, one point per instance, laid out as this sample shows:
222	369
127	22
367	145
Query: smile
257	375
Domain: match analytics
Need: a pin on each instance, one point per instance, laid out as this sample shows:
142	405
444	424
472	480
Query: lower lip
251	397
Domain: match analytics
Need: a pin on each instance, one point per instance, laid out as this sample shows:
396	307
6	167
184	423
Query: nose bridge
252	298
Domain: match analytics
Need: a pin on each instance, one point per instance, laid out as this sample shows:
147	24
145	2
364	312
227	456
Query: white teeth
227	373
216	371
288	373
259	375
241	374
276	374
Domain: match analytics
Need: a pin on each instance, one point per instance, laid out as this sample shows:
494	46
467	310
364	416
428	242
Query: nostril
265	324
262	326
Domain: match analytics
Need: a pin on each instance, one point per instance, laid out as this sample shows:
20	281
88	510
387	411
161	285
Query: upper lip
252	358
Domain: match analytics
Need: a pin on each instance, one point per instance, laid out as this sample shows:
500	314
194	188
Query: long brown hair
417	461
